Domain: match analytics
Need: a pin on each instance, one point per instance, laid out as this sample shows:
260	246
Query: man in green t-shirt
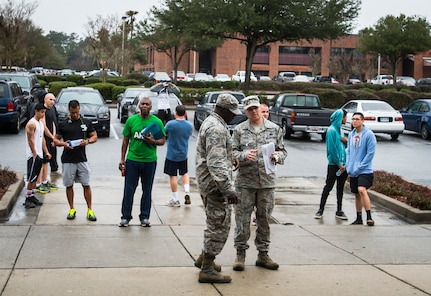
140	162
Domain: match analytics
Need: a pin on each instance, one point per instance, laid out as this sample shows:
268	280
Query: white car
301	78
222	77
201	77
240	76
379	116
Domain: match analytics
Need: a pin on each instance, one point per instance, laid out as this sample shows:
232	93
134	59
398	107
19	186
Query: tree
396	37
168	30
14	19
257	23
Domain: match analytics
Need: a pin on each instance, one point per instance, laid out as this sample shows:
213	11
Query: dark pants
134	171
53	151
331	177
164	115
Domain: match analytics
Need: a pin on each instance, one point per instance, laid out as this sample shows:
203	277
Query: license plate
384	119
316	129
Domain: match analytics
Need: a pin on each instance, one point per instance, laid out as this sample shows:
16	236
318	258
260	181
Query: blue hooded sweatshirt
335	150
359	159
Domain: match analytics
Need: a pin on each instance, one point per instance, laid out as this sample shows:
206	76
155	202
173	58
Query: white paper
267	151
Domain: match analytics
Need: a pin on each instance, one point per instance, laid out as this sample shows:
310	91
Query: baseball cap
251	101
228	101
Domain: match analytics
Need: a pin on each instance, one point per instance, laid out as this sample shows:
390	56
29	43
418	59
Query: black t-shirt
74	130
50	118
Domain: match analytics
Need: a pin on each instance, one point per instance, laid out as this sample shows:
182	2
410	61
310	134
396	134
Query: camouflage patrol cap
251	101
228	101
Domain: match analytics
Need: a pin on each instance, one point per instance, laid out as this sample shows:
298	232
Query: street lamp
122	45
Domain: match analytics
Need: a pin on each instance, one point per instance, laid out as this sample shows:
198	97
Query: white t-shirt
38	138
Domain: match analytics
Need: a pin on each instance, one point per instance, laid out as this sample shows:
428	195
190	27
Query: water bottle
338	173
75	143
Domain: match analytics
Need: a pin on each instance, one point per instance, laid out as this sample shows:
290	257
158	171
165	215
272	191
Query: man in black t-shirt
76	132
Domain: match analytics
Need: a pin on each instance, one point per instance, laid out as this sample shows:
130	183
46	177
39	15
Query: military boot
198	263
238	265
208	273
263	260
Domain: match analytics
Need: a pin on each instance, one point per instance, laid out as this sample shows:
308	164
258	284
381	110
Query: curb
9	199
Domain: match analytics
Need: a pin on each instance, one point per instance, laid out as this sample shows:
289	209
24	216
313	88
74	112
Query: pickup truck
298	112
204	108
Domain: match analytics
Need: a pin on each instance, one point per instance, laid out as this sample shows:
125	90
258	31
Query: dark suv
13	105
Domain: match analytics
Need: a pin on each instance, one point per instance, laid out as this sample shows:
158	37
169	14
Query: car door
412	116
350	107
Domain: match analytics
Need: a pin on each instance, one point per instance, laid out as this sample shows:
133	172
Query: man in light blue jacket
336	155
360	153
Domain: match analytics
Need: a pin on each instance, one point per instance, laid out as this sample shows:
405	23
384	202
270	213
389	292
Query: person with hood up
359	165
336	155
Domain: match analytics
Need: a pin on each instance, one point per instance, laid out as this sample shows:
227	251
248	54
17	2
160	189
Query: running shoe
71	215
340	215
42	189
173	203
91	216
51	186
145	223
123	223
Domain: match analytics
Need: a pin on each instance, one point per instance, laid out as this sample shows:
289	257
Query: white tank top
38	137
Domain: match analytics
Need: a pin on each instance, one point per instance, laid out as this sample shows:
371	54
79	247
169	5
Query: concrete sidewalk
42	253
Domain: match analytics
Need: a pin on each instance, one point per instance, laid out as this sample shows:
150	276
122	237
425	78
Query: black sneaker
187	199
357	222
319	214
340	215
28	204
34	200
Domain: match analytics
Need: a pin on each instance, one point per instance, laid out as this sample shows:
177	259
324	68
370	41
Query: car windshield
132	92
83	97
381	106
23	81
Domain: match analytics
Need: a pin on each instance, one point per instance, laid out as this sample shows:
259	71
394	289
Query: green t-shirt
138	149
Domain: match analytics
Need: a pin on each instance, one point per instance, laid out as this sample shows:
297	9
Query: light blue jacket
335	150
360	159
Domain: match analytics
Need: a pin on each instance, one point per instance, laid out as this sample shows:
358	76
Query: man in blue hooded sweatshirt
359	160
336	154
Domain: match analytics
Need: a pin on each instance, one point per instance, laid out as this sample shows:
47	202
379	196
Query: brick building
277	57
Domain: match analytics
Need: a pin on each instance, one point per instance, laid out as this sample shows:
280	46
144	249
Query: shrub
78	79
329	98
56	86
116	90
92	80
396	99
104	88
141	78
415	195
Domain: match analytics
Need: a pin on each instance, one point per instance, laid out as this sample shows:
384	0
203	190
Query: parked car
98	73
201	77
383	79
405	80
301	78
323	79
13	106
92	104
263	78
204	108
417	117
353	81
174	101
240	76
190	76
27	81
181	76
286	76
125	99
222	77
379	116
424	81
159	77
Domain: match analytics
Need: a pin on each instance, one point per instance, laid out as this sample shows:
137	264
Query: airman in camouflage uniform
254	185
214	177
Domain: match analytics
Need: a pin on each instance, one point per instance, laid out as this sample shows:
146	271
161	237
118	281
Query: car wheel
196	124
14	127
323	136
394	136
287	131
425	133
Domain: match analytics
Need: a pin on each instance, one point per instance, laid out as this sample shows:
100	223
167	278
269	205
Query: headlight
103	115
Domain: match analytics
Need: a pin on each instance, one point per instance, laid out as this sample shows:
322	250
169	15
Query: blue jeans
134	170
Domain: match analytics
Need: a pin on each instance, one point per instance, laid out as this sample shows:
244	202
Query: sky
53	15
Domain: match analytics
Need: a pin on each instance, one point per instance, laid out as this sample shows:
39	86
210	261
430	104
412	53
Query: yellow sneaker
91	216
72	214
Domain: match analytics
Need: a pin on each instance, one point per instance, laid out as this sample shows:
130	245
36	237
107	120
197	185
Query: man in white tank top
35	148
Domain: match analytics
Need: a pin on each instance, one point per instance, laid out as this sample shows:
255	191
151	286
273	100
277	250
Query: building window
262	55
296	55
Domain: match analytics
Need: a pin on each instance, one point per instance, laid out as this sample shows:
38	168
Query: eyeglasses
356	119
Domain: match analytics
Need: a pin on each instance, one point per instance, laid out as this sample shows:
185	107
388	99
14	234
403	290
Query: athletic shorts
364	180
76	172
34	165
172	167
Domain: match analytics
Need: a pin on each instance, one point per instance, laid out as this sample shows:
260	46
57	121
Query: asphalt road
408	157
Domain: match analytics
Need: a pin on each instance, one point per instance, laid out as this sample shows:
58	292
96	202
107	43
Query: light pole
378	65
122	45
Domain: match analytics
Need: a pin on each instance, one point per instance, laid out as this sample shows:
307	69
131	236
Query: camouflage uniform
254	186
214	178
